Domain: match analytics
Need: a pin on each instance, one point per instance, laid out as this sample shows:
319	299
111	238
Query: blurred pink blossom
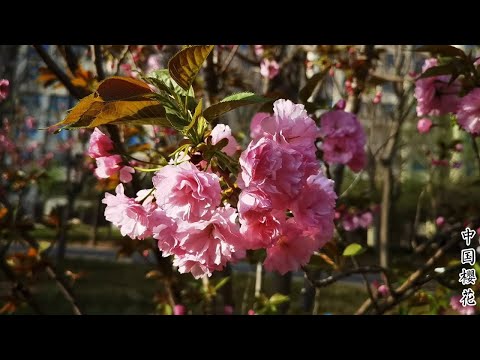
269	68
435	96
468	115
4	89
457	306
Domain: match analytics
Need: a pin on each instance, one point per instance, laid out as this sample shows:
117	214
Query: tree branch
346	273
59	73
97	51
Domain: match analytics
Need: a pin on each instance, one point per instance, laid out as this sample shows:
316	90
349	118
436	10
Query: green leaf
163	80
278	299
221	283
444	50
232	102
447	69
185	65
43	245
353	250
312	83
198	112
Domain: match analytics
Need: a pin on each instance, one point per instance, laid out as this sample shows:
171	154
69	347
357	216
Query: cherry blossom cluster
286	204
438	95
100	149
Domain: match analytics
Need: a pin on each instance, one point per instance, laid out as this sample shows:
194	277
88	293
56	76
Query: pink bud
331	72
383	290
424	125
179	309
458	147
251	312
228	310
440	221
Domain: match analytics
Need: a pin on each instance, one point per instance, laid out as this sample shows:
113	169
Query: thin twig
229	59
367	286
412	281
97	51
346	273
20	287
59	73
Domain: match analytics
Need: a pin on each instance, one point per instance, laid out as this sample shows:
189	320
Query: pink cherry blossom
251	312
290	122
458	147
269	68
208	244
440	221
107	166
277	169
179	309
185	192
256	130
222	131
228	310
468	115
4	89
383	290
259	226
424	125
292	249
350	222
457	306
126	174
365	219
343	139
30	122
314	208
340	105
163	229
125	213
434	95
100	145
259	50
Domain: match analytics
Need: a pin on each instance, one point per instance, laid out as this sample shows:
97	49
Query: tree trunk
385	217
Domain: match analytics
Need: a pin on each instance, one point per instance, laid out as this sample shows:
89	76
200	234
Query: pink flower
208	244
343	139
125	213
256	130
251	312
365	219
185	192
293	249
350	222
314	208
424	125
163	229
126	174
434	95
278	170
259	50
100	145
228	310
259	226
107	166
468	115
383	290
179	309
340	105
458	147
269	68
291	123
4	89
440	221
457	306
222	131
30	122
